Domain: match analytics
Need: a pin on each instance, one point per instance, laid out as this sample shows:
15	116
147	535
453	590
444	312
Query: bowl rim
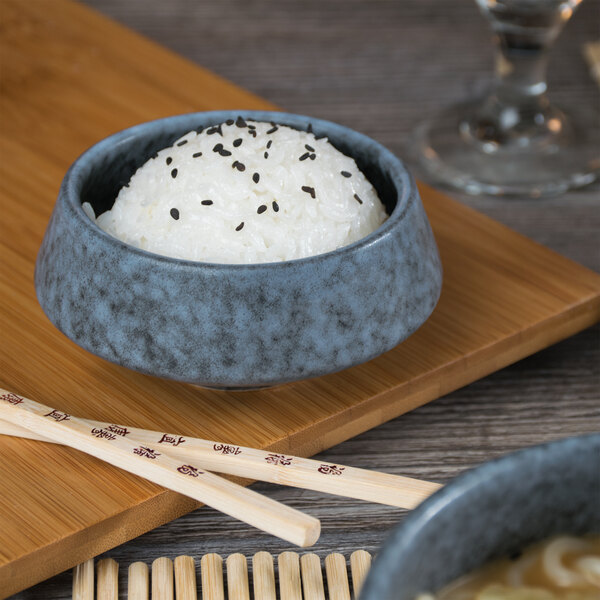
397	171
403	534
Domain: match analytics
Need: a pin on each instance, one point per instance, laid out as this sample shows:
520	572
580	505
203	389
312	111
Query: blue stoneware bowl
234	326
494	510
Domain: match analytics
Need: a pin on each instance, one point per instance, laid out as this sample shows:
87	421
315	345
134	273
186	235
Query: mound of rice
244	192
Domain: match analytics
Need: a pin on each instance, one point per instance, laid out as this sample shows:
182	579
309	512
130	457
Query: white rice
212	198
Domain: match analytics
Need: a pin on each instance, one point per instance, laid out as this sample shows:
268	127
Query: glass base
455	151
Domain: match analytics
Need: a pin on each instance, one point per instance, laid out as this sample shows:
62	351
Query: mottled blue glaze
234	326
494	510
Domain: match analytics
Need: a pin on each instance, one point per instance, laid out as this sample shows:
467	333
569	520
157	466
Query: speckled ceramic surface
235	326
491	511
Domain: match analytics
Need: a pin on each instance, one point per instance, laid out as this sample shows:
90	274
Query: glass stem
520	75
517	109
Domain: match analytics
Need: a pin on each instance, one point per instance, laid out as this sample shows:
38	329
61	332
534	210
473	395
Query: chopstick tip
312	534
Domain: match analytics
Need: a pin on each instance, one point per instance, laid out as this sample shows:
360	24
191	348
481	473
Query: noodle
589	566
562	568
553	561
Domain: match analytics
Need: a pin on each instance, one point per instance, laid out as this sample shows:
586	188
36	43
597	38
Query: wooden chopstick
312	577
273	467
185	578
83	581
263	576
237	577
160	467
360	563
138	584
337	577
162	579
211	571
108	580
290	586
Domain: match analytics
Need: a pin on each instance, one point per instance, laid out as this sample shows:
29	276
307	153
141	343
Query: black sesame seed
238	165
174	173
237	142
313	156
196	154
219	148
346	174
273	129
240	226
169	160
357	198
182	143
266	155
174	213
206	202
304	156
251	126
309	190
275	206
215	129
241	123
261	209
229	122
252	132
256	177
269	143
309	147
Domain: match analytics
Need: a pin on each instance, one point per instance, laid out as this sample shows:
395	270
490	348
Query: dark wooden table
379	67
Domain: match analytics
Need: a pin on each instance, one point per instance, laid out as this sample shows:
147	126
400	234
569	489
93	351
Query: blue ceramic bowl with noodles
235	326
492	511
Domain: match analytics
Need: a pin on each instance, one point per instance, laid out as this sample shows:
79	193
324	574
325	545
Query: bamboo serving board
71	77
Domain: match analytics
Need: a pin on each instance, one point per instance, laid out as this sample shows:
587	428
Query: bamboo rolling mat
289	576
71	77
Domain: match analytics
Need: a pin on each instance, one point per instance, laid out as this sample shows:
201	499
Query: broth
561	568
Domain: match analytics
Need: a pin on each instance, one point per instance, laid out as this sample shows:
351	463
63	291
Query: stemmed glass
513	141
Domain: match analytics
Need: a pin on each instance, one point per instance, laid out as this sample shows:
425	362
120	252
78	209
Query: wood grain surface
377	67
